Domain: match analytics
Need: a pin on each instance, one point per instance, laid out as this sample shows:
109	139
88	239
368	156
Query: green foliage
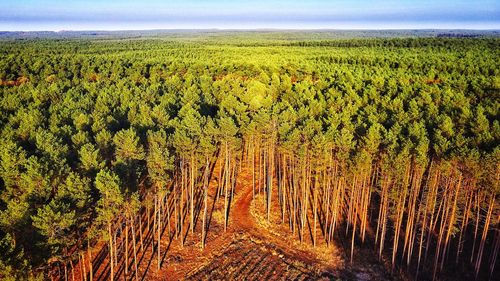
90	157
93	121
111	198
158	160
127	145
12	265
55	222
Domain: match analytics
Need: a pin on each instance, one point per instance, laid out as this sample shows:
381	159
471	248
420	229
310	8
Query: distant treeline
259	35
441	41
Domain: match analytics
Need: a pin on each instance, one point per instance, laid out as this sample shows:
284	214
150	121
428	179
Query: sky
55	15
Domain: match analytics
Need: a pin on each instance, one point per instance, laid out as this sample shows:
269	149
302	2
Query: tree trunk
252	154
226	186
205	203
111	252
192	192
91	273
82	263
158	252
485	233
315	203
181	205
135	252
72	270
126	249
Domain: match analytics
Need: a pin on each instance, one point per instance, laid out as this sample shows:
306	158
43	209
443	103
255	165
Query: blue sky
237	14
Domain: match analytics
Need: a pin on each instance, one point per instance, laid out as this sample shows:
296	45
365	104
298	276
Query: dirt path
253	253
240	215
242	220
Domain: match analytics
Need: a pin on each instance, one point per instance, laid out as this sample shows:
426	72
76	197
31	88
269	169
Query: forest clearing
246	250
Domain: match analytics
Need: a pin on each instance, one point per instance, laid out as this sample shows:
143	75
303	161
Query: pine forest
244	155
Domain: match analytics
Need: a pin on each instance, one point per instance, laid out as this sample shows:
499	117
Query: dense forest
385	143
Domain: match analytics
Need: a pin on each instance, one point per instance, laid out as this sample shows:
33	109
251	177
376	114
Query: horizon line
257	29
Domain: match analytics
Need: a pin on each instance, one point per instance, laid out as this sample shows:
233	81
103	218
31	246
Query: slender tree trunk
126	249
485	233
400	212
136	273
193	168
205	203
111	252
270	164
91	273
465	222
428	200
315	203
168	217
158	252
72	270
261	167
140	234
82	263
253	168
494	253
226	185
181	205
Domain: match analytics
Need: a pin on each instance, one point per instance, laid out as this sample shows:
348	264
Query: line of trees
390	141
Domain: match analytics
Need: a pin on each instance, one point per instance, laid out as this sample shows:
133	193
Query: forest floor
251	248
